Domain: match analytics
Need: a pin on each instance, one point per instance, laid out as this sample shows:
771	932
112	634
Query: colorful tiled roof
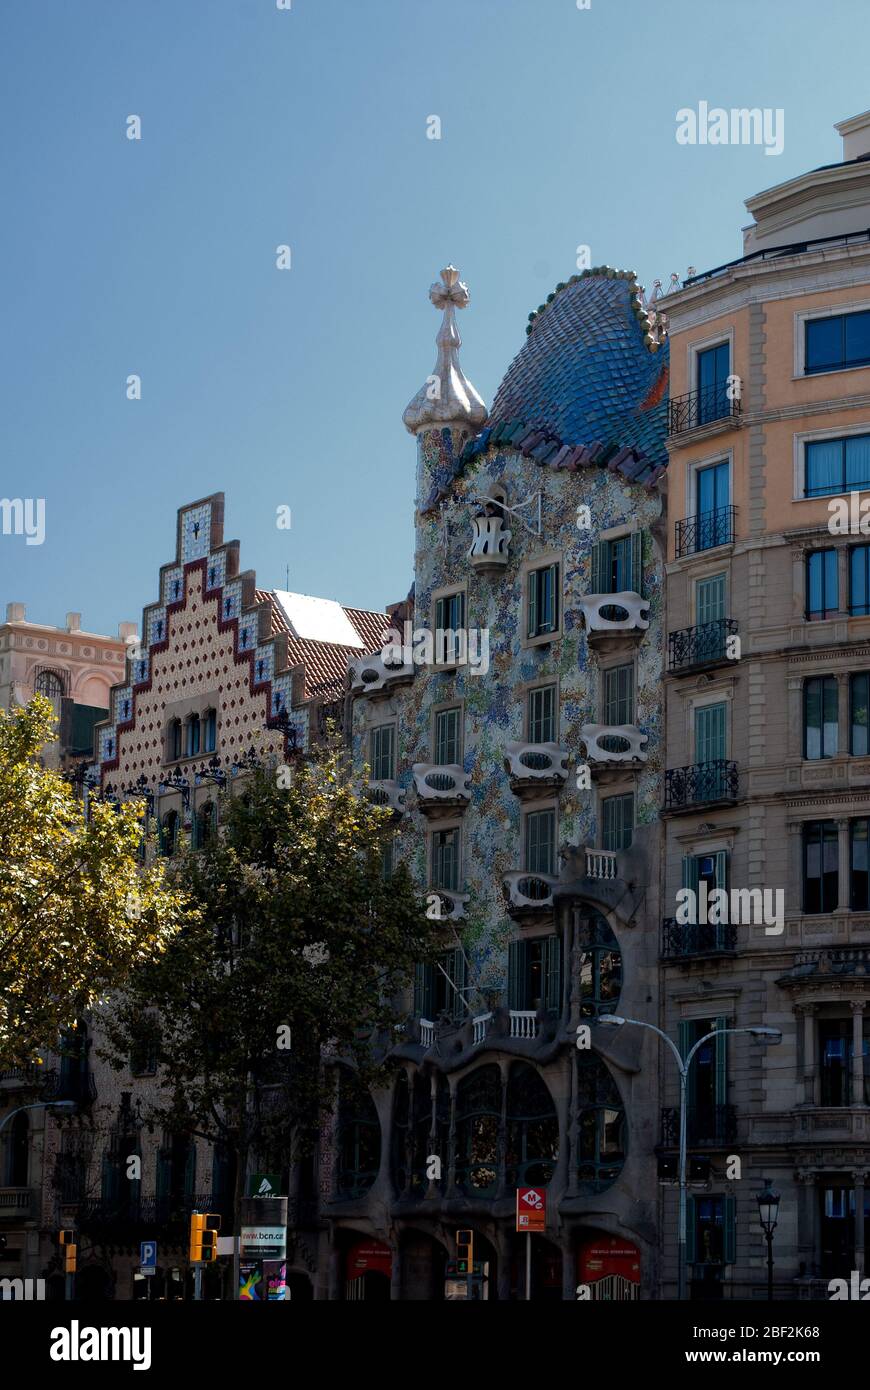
325	663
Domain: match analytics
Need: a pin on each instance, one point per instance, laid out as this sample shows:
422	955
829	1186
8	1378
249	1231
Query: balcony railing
717	780
710	1128
601	863
682	940
479	1028
692	648
524	1023
154	1212
369	674
79	1087
705	530
16	1201
427	1032
698	408
23	1078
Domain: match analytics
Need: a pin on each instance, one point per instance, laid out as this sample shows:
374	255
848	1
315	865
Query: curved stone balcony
613	746
528	891
452	904
387	792
442	786
489	546
535	765
623	613
370	674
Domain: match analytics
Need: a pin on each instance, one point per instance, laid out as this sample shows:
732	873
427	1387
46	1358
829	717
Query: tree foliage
78	910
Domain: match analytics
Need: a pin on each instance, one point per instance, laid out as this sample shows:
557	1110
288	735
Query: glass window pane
857	334
859	691
859	573
858	462
824	467
824	343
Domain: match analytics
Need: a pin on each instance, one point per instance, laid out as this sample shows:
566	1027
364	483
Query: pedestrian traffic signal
464	1252
69	1258
66	1238
204	1226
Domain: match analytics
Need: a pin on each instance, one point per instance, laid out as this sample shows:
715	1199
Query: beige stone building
768	766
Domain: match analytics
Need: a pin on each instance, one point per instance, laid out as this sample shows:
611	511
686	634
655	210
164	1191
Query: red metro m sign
531	1208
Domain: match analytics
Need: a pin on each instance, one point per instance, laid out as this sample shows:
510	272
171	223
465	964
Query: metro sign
531	1208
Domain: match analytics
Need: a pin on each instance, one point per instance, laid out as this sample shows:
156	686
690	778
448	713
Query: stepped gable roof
324	662
589	388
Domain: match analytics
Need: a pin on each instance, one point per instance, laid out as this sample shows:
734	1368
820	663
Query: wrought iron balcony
705	530
694	648
158	1213
451	905
699	408
683	940
78	1086
711	1127
700	784
16	1202
24	1078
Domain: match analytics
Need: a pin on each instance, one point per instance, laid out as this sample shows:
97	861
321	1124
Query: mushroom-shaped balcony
613	746
489	546
624	614
442	787
387	792
371	674
529	892
535	765
450	906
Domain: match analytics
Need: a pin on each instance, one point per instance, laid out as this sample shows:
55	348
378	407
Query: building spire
446	398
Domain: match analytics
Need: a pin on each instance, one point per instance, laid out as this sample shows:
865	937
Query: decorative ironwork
684	939
717	780
176	783
705	530
690	648
711	1127
211	773
248	762
698	408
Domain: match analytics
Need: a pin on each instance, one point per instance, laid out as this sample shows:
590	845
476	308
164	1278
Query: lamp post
768	1211
772	1035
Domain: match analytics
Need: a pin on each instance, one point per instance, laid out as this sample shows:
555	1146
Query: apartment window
543	601
859	709
439	987
617	821
835	1058
542	714
859	865
712	505
600	967
617	565
448	736
859	581
540	842
821	876
710	1238
836	465
450	623
713	368
710	600
209	731
619	695
535	974
837	341
710	733
382	753
173	740
823	588
445	860
820	717
193	736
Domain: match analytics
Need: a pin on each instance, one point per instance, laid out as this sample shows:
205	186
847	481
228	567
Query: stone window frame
699	575
693	468
540	803
830	311
623	787
614	662
391	722
719	692
524	689
183	710
448	823
803	437
447	591
439	708
696	346
543	560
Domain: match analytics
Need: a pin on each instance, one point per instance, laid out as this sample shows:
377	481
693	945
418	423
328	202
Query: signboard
148	1257
275	1276
251	1287
268	1242
264	1185
611	1268
531	1208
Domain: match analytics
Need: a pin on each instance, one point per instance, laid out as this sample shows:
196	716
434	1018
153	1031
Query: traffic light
464	1252
66	1238
204	1226
69	1258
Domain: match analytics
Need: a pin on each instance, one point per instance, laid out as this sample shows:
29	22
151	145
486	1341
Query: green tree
78	910
303	946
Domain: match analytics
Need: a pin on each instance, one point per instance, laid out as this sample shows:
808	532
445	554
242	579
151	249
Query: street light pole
772	1035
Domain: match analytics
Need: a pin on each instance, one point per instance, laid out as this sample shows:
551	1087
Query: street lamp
772	1035
768	1211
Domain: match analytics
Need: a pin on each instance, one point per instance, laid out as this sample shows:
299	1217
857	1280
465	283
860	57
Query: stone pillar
795	857
857	1006
795	731
807	1203
843	864
844	712
859	1176
811	1078
451	1165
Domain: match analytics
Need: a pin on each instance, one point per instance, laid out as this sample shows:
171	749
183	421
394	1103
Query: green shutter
553	975
690	1231
722	868
533	603
686	1043
110	1185
600	577
637	562
729	1233
554	590
710	733
517	956
690	873
721	1092
710	600
422	991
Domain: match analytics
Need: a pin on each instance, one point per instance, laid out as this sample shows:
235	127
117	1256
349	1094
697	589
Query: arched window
173	740
478	1116
532	1129
73	1050
49	683
601	1125
413	1142
191	746
18	1151
169	833
209	731
600	967
359	1137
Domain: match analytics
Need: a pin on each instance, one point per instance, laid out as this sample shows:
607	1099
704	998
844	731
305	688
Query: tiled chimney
15	612
126	630
73	622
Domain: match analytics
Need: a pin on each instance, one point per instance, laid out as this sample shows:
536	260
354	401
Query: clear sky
307	127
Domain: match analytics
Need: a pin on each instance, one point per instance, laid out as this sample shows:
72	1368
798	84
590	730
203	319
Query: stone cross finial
447	397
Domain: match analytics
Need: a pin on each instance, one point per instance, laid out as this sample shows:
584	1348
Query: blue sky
307	127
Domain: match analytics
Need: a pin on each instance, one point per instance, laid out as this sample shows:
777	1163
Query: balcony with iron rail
687	940
705	531
17	1203
710	1128
696	409
701	784
170	1214
692	649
